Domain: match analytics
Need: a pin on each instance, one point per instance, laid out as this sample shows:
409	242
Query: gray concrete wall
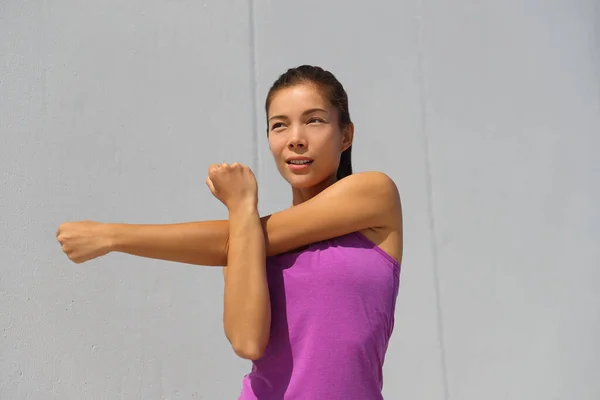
486	114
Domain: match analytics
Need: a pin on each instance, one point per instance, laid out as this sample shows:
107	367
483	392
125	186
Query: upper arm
357	202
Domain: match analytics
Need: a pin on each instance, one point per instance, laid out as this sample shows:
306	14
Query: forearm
200	243
205	243
247	308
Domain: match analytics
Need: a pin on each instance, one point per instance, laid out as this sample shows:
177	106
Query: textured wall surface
486	114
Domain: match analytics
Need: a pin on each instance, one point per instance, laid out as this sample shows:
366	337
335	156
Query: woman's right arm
199	243
357	202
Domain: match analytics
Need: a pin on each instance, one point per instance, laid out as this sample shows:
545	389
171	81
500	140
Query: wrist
242	209
112	237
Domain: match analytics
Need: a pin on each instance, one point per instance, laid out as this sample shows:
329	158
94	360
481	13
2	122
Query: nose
297	139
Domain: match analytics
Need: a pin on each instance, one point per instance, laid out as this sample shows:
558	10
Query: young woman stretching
310	291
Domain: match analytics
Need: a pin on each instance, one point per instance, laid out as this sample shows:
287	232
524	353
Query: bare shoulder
376	181
358	202
388	236
382	190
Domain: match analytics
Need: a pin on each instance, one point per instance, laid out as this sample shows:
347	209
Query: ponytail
345	167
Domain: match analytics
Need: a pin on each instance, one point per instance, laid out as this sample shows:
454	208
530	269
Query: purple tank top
332	307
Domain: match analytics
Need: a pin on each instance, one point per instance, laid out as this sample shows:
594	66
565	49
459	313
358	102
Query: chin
301	181
305	181
313	177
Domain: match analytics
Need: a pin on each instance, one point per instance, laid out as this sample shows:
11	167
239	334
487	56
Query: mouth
299	162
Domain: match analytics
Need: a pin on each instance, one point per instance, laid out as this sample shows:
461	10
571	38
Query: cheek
276	146
328	144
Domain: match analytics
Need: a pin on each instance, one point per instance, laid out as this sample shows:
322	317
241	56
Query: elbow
249	351
248	347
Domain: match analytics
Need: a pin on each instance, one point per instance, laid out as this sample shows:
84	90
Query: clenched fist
83	240
233	184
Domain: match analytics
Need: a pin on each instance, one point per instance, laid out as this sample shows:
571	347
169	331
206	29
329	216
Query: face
305	137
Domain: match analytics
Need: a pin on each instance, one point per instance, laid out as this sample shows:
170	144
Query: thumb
210	185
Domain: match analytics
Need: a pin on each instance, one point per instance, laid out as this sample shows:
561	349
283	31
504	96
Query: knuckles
223	169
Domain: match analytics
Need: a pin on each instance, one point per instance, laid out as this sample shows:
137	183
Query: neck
301	195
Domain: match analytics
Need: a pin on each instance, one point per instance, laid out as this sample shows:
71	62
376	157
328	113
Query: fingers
59	229
210	185
59	238
215	166
225	167
212	169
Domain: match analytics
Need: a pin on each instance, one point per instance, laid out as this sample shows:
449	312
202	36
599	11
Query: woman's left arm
358	202
247	306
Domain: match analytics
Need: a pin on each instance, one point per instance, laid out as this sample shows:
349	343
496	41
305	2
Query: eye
315	119
276	125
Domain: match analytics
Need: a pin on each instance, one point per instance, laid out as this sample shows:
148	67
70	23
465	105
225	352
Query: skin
247	308
301	123
299	116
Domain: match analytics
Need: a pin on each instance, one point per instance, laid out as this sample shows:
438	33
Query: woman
310	291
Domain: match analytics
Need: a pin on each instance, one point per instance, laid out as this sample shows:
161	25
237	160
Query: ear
347	136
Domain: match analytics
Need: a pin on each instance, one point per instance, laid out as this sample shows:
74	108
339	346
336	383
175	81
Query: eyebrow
312	110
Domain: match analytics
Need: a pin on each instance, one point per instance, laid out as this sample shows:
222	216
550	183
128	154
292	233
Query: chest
330	275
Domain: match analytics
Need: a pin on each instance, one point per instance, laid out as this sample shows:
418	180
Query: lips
299	161
299	165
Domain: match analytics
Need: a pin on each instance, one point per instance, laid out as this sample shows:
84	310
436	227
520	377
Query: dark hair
331	89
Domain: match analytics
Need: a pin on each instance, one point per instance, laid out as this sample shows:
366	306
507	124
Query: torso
332	309
388	239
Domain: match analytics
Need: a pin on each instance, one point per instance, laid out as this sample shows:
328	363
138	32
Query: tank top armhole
378	249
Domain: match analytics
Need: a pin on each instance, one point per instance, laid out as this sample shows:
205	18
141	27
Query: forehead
297	99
